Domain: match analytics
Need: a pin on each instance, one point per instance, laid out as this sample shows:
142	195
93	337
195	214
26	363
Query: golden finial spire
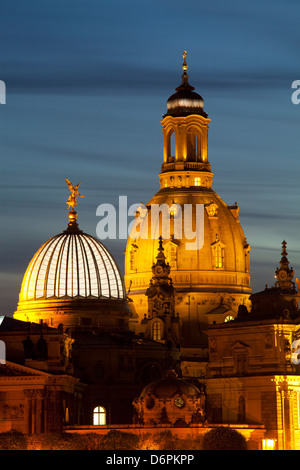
184	65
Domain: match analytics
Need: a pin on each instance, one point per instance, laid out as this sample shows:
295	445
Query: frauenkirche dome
211	279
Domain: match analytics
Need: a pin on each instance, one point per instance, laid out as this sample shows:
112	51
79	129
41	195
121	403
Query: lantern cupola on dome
185	101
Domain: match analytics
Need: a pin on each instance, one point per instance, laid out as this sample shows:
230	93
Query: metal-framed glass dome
72	264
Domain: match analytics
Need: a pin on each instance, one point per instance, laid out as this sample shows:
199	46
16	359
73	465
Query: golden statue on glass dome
72	201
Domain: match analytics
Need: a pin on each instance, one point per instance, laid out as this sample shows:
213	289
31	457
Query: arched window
218	253
218	257
156	331
171	152
99	416
193	145
169	146
133	259
67	415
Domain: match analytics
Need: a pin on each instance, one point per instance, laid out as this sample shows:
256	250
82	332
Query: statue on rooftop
72	201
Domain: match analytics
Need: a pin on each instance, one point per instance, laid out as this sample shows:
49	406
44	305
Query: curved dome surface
170	386
185	102
72	264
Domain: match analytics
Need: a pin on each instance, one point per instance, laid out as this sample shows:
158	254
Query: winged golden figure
72	201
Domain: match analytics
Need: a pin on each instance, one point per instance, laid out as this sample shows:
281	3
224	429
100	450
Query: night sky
87	83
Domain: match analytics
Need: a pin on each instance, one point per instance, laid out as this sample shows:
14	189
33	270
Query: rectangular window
219	256
241	364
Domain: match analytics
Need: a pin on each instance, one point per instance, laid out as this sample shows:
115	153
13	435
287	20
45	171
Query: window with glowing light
268	444
197	181
241	408
133	259
219	254
229	318
99	416
156	331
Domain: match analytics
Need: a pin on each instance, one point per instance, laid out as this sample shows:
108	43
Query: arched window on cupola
170	143
193	137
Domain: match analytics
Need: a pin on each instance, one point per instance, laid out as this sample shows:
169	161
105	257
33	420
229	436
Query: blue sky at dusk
87	83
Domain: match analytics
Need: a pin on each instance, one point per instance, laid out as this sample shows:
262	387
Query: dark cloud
119	77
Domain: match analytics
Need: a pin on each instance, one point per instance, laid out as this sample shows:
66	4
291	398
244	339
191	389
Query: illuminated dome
211	279
72	264
74	280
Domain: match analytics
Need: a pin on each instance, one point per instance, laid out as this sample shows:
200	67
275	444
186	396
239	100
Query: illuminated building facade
210	283
253	372
87	352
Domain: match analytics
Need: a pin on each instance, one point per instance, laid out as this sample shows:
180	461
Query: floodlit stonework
181	346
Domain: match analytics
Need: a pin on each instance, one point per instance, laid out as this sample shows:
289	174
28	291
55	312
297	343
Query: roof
11	324
71	265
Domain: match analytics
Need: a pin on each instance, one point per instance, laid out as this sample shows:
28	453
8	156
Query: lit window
197	181
132	260
241	412
219	256
156	331
166	183
268	444
229	318
99	416
298	408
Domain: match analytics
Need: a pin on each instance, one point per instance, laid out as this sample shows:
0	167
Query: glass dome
72	264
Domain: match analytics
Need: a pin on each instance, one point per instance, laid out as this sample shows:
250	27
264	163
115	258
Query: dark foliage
224	438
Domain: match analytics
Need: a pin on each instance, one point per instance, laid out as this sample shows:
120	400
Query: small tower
186	124
212	278
162	323
280	301
284	274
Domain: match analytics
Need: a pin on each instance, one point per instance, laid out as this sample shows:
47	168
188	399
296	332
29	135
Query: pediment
11	369
239	346
221	310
